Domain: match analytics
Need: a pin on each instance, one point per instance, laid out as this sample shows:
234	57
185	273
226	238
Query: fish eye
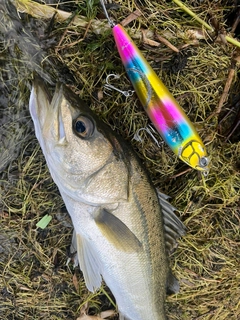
83	127
203	162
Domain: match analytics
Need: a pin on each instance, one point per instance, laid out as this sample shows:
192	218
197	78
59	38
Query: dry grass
35	282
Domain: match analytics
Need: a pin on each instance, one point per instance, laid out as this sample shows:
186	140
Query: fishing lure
167	116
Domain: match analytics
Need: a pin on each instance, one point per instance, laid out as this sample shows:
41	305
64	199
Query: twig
167	43
192	14
236	22
58	47
226	89
43	11
180	173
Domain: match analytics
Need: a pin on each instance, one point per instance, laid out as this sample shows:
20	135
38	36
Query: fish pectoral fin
116	232
88	262
122	317
173	226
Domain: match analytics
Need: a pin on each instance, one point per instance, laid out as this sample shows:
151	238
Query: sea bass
123	227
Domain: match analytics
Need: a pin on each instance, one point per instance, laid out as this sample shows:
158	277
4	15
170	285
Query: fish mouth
39	92
46	110
40	100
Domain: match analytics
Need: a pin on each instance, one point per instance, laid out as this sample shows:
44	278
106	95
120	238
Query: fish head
78	147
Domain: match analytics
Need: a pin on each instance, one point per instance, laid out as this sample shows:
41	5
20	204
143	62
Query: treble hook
109	86
150	130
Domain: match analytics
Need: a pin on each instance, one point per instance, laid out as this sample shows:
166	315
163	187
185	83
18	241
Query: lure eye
203	162
83	127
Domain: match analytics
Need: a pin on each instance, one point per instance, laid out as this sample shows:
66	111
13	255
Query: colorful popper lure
163	110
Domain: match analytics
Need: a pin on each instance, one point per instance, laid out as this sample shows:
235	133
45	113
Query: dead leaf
237	59
134	15
107	313
149	41
75	282
103	315
196	34
100	95
86	317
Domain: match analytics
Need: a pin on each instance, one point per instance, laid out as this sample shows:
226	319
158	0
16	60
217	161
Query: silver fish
123	227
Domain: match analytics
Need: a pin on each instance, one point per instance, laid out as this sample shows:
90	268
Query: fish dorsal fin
88	261
172	284
173	226
116	232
